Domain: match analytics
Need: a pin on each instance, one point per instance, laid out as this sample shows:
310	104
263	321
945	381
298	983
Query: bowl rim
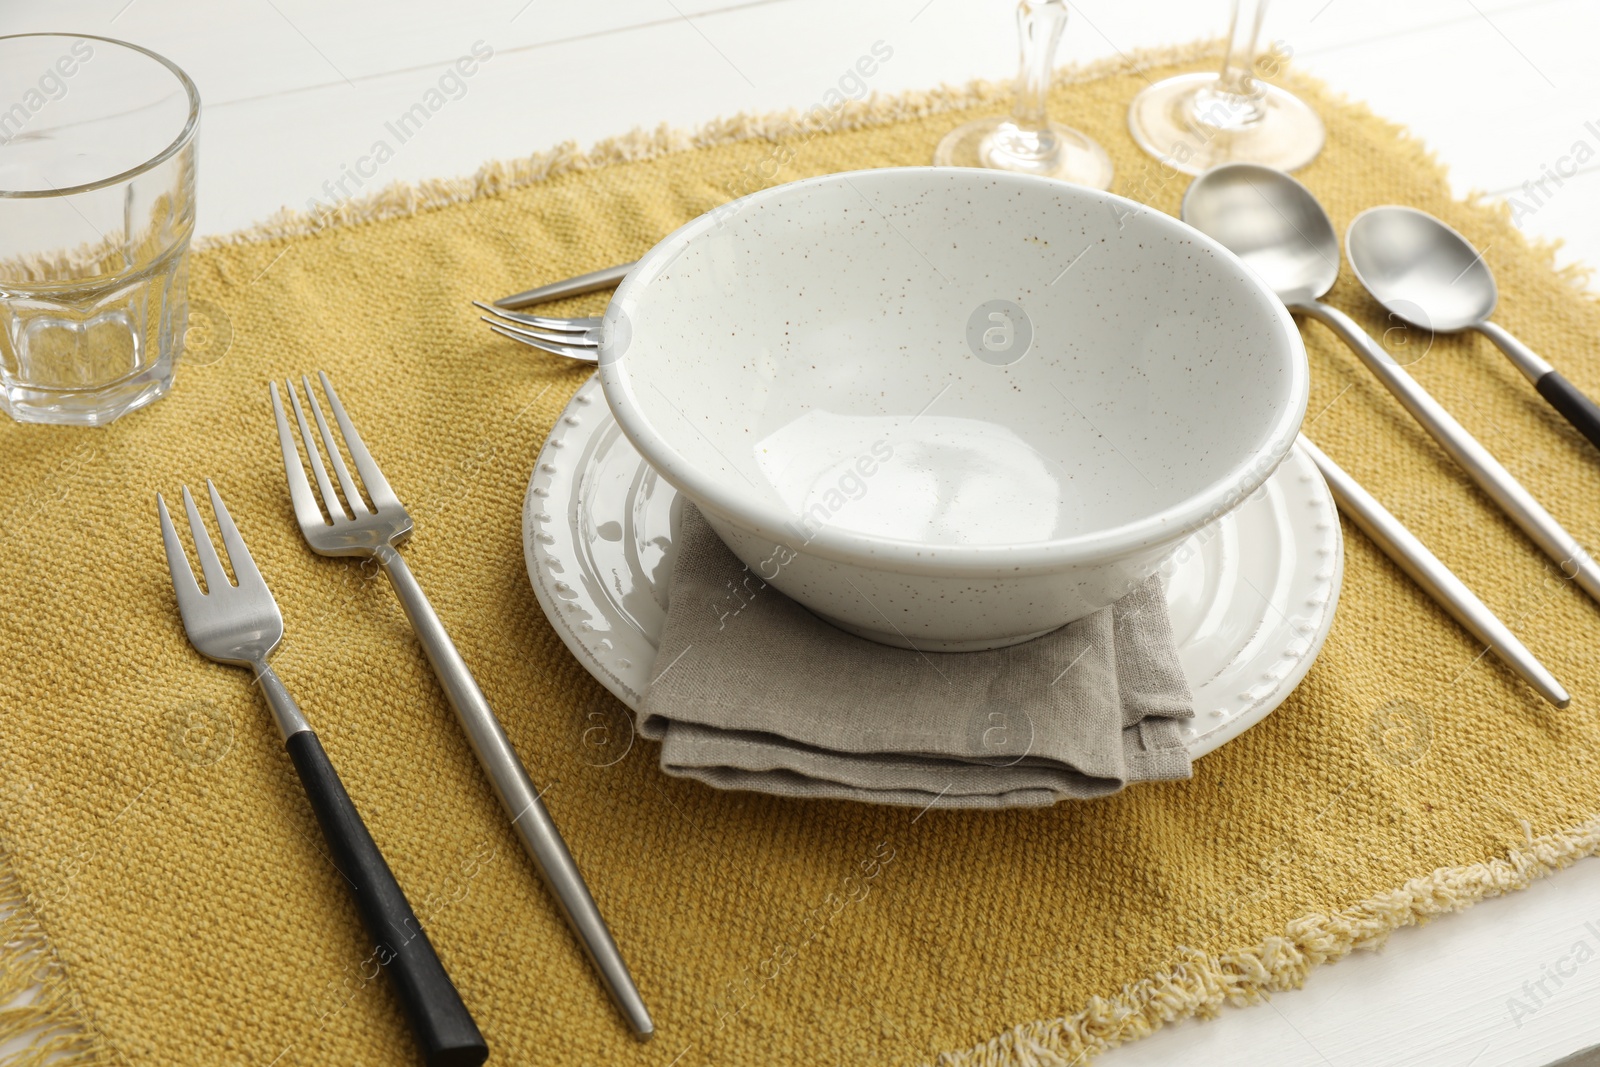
1194	511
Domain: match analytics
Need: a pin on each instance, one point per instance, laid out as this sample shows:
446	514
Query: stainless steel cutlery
352	527
592	282
574	338
1437	580
1429	275
1276	226
238	623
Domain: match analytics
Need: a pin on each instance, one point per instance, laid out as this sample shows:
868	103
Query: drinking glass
1027	140
97	168
1193	122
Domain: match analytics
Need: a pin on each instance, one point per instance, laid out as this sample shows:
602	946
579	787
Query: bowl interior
941	356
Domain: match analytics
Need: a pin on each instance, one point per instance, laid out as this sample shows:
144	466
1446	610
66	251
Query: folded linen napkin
775	700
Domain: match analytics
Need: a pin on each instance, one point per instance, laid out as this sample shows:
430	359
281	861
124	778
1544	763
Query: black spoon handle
1568	399
1575	407
444	1029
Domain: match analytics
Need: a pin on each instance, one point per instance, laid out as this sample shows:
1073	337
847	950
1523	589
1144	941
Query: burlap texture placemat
167	887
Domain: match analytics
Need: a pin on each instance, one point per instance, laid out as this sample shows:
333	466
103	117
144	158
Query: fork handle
592	282
518	797
443	1027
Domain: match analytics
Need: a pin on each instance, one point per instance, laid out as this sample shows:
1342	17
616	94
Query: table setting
994	590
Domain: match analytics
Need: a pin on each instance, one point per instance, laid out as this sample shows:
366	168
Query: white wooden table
296	93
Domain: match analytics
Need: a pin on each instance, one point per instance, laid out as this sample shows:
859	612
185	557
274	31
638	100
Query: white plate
1252	595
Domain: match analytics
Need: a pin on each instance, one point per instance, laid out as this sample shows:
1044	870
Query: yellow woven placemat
166	884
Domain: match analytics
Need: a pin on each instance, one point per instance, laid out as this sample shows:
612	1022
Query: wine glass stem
1039	26
1235	82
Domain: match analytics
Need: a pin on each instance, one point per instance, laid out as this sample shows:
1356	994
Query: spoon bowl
1270	221
1413	265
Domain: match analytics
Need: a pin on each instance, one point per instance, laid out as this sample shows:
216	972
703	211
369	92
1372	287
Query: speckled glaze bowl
951	409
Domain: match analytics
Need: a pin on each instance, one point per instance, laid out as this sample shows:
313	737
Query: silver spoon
1428	274
1276	226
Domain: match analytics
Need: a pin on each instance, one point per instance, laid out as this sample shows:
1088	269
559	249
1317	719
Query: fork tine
583	355
306	512
587	339
210	565
244	567
352	495
329	497
543	322
377	485
183	583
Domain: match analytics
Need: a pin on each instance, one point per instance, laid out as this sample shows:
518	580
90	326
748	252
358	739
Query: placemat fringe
1201	984
404	198
38	1010
401	199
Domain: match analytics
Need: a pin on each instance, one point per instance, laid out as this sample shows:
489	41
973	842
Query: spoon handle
1575	407
1518	504
1437	580
1526	360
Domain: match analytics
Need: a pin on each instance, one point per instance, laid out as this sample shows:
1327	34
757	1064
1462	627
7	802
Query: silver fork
241	625
574	338
351	528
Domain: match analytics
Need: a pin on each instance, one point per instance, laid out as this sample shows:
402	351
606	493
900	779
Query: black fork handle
443	1027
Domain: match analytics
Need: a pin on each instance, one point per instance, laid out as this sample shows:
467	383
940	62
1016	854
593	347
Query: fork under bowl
577	339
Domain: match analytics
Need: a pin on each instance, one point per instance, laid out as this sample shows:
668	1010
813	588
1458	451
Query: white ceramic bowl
952	409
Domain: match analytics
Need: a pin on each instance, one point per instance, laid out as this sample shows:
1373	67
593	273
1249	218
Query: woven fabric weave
166	883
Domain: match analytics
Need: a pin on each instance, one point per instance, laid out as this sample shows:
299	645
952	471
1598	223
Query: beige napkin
773	699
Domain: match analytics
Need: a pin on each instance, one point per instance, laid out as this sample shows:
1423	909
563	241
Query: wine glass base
1074	157
1171	123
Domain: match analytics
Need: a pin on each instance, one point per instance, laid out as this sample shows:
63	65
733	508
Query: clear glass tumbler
97	169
